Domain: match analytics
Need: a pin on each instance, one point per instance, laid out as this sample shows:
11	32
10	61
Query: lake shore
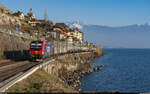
64	75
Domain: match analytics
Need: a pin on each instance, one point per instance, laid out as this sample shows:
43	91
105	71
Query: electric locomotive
40	49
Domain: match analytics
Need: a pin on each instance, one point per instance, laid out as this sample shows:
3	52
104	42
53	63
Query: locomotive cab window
36	45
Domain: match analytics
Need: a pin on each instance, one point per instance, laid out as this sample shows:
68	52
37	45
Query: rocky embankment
70	68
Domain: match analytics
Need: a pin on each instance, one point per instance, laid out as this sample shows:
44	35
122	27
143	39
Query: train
40	50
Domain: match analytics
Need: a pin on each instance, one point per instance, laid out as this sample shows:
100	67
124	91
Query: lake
126	70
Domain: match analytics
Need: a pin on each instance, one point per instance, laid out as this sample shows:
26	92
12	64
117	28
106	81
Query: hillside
6	17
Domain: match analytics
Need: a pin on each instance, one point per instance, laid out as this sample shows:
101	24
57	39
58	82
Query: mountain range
130	36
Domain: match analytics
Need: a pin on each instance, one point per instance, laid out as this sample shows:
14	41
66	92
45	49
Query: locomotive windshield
36	45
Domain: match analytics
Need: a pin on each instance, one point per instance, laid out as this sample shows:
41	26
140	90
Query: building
63	27
34	22
62	30
52	34
65	32
30	16
19	14
69	40
78	35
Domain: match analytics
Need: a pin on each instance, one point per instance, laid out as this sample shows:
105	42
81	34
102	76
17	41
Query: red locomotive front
37	49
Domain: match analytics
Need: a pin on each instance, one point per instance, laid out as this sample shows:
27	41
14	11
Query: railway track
6	62
11	70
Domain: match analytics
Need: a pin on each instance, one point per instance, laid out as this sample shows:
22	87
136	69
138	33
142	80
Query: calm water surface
127	70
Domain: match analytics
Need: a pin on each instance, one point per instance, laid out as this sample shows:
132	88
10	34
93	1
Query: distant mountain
129	28
131	36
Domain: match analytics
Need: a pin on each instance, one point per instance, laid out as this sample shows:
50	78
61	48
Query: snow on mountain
74	24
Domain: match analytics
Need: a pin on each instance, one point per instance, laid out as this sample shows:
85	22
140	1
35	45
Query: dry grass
40	81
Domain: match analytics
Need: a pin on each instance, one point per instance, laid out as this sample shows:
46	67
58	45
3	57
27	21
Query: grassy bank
40	81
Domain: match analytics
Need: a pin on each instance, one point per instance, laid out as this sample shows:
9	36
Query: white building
78	35
70	40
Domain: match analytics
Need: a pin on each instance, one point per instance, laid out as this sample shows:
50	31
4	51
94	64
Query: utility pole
45	16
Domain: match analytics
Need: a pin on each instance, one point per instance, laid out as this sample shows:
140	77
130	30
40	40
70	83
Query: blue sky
99	12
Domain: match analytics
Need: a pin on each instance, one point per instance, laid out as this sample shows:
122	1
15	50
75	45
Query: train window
36	45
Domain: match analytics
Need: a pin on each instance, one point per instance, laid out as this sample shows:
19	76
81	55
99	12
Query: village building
52	34
69	40
34	22
19	14
30	16
62	30
78	35
70	34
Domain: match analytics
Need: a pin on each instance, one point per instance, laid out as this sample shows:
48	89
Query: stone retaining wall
70	68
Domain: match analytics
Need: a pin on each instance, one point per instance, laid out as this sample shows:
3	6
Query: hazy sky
100	12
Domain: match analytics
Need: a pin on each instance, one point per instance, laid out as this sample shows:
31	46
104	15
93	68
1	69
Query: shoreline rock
83	67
